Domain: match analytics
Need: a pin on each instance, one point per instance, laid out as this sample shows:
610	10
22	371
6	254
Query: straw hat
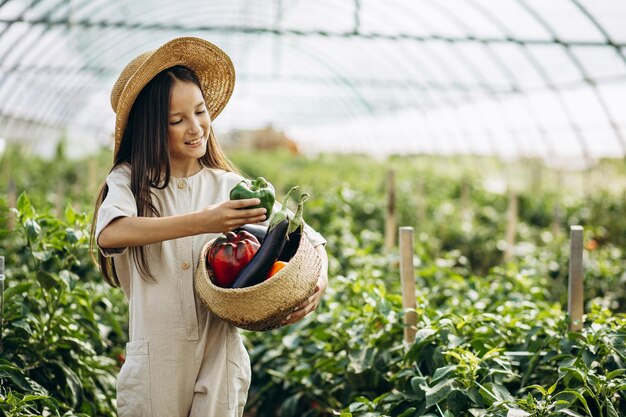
211	65
263	306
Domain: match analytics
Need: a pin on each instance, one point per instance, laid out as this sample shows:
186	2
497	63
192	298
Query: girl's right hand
221	218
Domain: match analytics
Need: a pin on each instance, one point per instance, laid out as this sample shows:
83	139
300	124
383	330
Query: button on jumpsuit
180	361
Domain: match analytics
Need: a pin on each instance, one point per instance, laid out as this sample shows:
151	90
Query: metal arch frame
75	71
620	52
468	98
447	102
551	85
585	77
78	70
425	89
551	151
507	74
15	97
294	32
343	80
69	80
62	78
490	92
557	94
65	80
9	24
68	85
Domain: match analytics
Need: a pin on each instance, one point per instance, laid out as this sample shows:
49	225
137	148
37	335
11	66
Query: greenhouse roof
514	78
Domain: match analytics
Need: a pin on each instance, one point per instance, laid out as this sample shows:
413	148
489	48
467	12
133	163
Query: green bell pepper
258	188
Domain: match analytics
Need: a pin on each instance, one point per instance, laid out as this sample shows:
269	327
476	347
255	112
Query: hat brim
212	66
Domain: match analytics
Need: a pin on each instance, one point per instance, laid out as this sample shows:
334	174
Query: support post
511	226
390	219
407	277
556	221
465	195
421	205
1	299
575	281
12	202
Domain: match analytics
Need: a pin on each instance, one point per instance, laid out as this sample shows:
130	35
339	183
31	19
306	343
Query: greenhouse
455	245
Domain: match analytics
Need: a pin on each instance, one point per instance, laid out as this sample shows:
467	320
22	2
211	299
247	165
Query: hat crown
126	74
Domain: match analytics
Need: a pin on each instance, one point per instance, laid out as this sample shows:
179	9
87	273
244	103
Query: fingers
302	310
246	202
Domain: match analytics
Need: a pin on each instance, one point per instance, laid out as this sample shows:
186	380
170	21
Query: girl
165	197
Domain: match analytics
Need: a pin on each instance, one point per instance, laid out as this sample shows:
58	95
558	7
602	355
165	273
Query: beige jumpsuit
180	361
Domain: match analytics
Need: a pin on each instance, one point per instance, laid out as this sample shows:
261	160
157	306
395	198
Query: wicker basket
263	306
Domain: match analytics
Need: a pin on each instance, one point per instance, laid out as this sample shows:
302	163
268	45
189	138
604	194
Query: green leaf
539	388
423	335
24	206
552	388
31	398
439	392
72	235
12	373
73	383
442	372
70	214
610	410
516	412
615	373
33	230
579	396
408	412
16	290
22	324
69	278
417	382
42	256
569	412
47	280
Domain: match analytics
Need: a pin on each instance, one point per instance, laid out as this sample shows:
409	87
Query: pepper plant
62	329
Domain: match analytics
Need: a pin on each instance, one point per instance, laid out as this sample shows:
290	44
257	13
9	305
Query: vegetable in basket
259	231
257	269
278	265
229	254
294	233
259	188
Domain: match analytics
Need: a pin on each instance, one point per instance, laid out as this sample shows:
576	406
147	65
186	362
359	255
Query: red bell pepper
229	254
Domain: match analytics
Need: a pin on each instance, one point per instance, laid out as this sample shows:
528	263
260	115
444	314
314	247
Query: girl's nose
194	127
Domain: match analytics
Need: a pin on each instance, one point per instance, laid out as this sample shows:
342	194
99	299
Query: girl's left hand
310	304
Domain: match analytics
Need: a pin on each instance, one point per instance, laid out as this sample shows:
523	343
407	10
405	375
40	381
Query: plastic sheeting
506	77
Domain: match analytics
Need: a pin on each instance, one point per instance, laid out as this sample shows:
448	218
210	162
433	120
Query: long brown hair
144	146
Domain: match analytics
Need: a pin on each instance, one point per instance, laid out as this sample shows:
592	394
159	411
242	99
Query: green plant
61	329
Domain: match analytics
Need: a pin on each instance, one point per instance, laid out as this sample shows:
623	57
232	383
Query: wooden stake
407	277
421	204
465	196
390	220
575	282
511	226
92	176
556	221
12	202
1	298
